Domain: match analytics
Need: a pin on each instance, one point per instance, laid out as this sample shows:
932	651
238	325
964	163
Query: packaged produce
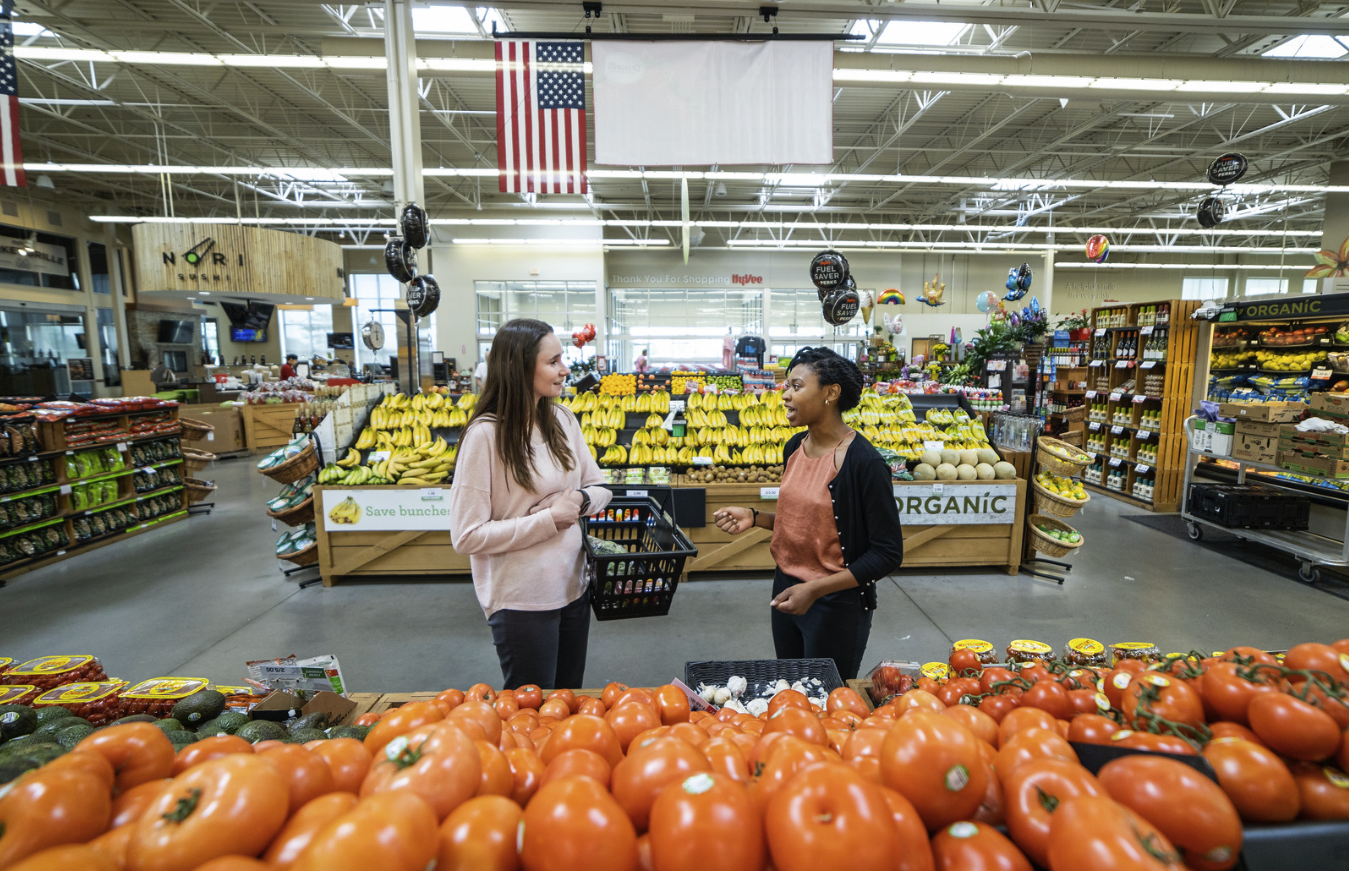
239	699
157	696
48	672
296	540
982	649
295	675
1024	650
892	678
5	663
282	454
938	671
18	694
97	701
1086	652
1143	651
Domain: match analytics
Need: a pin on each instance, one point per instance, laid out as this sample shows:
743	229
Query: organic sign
386	510
939	503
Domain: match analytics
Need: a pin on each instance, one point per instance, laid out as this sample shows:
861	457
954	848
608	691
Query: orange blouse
805	531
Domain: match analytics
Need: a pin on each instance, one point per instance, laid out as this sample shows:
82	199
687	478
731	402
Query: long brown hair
508	397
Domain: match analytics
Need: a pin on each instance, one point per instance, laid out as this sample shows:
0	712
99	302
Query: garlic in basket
706	692
736	684
757	707
721	697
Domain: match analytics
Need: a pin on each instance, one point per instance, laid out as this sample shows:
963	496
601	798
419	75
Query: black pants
547	648
836	627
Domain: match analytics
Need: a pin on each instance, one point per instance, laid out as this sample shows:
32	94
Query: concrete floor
202	596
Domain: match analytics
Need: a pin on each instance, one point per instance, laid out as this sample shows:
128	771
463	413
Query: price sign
1116	462
65	489
121	446
1142	435
1091	394
1116	397
1121	364
938	488
1142	470
1321	374
933	446
1096	363
378	456
1100	332
1094	426
1146	331
1148	365
1117	429
768	492
1139	399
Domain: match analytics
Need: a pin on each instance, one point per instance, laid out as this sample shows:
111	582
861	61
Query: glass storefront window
305	334
680	325
34	347
37	259
107	342
99	276
379	291
566	305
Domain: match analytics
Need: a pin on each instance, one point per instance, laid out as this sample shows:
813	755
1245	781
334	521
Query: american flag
541	117
11	155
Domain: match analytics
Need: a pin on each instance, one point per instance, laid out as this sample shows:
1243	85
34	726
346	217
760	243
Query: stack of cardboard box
1321	454
1255	437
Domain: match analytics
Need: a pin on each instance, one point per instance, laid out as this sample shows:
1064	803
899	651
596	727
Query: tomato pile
635	779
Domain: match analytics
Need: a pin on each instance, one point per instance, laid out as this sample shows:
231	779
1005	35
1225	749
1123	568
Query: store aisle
200	597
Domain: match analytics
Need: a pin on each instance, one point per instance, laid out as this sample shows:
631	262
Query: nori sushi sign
939	503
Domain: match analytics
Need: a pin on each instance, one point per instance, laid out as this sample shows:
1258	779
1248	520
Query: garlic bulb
734	705
706	692
737	685
800	688
782	686
721	697
757	707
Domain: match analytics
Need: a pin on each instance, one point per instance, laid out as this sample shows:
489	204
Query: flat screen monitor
235	312
259	315
175	332
176	360
247	334
342	341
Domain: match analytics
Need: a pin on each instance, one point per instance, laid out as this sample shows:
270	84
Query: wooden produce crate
268	427
376	553
718	551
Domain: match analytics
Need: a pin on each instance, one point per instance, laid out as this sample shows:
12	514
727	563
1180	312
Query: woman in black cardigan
836	531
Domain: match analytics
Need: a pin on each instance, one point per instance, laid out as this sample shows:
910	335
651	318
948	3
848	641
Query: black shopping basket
642	581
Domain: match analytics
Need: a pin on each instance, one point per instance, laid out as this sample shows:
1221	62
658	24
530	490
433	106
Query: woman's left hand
796	599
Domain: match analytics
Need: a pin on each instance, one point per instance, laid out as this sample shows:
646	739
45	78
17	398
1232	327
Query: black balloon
400	259
423	295
1227	168
828	270
1211	212
416	225
840	305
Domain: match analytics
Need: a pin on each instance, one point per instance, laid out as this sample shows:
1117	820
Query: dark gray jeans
547	648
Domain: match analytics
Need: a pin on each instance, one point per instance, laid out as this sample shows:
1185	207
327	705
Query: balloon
1098	248
578	339
890	296
898	325
590	332
981	303
1035	304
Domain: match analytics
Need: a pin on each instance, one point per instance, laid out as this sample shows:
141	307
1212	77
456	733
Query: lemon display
1066	488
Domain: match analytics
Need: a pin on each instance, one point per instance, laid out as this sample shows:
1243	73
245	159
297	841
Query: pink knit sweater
520	561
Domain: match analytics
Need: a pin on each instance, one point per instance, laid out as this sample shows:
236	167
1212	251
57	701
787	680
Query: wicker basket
1058	465
1048	502
195	430
197	489
297	516
194	461
307	557
303	464
1043	543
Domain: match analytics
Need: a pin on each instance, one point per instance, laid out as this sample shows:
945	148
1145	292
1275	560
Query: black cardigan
865	513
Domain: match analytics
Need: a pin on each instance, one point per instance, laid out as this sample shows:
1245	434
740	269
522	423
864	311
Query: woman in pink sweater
522	479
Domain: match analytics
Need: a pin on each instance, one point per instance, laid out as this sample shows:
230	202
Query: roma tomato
369	719
648	770
1024	718
583	732
391	831
1257	781
701	810
1166	697
935	763
1031	744
672	705
967	846
913	850
1293	728
574	824
1099	833
829	816
1092	729
400	721
130	805
1228	692
304	824
233	805
1117	682
445	770
578	763
1323	791
207	749
1034	792
1154	742
1234	730
984	727
1087	701
1187	807
48	810
1319	657
526	774
481	835
1051	697
348	762
306	773
139	752
70	857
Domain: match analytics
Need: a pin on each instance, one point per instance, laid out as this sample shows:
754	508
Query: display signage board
238	261
40	257
939	503
1329	305
386	510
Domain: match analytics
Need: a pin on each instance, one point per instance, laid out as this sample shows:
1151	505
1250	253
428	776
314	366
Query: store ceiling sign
41	257
381	510
238	260
938	503
735	279
1335	305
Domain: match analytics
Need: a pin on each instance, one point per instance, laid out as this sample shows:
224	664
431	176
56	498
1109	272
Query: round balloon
840	305
1098	248
828	269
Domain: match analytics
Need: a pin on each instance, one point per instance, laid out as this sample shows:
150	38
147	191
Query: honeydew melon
946	472
965	472
924	472
1004	470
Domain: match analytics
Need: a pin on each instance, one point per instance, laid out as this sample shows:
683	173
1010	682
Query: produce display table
268	427
380	543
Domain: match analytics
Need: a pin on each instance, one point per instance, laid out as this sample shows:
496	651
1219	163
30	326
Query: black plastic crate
759	671
1249	506
643	581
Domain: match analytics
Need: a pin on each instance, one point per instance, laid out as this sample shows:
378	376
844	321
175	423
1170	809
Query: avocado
48	730
12	768
357	732
200	707
231	721
16	745
181	736
316	720
16	720
303	736
51	712
170	725
72	735
40	752
133	718
262	730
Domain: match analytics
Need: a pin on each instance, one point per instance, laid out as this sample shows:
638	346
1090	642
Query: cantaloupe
969	458
946	472
924	472
984	472
951	457
932	458
1004	470
987	455
965	472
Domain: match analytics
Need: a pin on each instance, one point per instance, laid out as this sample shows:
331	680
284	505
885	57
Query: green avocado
52	712
48	730
169	724
226	724
181	737
357	732
262	730
16	720
73	734
316	720
133	718
200	707
303	736
40	752
10	768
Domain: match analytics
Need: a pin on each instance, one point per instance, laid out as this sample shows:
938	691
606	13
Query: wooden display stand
268	427
365	554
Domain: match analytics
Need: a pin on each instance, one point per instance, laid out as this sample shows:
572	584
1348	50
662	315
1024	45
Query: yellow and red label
975	644
1086	646
45	665
78	693
10	695
167	688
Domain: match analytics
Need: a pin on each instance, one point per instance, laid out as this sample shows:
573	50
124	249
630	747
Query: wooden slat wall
273	261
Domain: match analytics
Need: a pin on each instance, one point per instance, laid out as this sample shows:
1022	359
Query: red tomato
1092	729
788	699
85	762
557	708
70	857
846	699
48	810
1257	781
583	732
1248	655
233	863
1229	693
574	824
1293	728
648	770
529	696
480	692
449	700
935	763
630	719
444	770
782	759
913	853
592	706
480	713
1031	744
1166	697
578	763
965	663
1335	706
506	707
829	816
368	719
728	760
998	707
984	727
1024	718
1034	792
348	762
526	774
701	810
481	835
794	721
967	846
1098	833
113	844
130	805
496	771
391	831
996	674
400	721
1186	806
139	752
915	700
233	805
611	692
304	824
1050	697
672	705
1234	730
207	749
992	809
1323	791
1087	701
1154	742
1319	657
1116	682
306	773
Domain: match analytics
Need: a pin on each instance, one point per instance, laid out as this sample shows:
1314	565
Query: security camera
720	189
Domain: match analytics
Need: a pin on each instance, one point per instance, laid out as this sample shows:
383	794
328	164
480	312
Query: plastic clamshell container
18	694
174	688
1025	650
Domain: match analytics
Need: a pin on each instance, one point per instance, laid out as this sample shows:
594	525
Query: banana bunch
352	459
425	465
582	402
366	440
352	477
616	455
604	418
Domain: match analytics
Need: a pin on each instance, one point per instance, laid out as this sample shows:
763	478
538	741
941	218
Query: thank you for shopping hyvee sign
386	510
935	503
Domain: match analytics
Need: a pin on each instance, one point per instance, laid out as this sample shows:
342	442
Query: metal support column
405	134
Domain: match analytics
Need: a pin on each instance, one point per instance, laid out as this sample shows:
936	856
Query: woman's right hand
734	520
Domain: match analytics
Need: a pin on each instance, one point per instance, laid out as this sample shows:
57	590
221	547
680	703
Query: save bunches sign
935	503
386	510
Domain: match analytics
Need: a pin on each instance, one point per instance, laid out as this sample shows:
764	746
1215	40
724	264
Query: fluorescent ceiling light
1226	266
45	101
925	33
567	243
1309	46
443	19
30	28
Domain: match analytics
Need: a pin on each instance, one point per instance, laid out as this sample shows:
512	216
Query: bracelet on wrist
755	521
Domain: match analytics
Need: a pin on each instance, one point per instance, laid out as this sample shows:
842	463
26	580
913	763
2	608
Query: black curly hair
830	368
